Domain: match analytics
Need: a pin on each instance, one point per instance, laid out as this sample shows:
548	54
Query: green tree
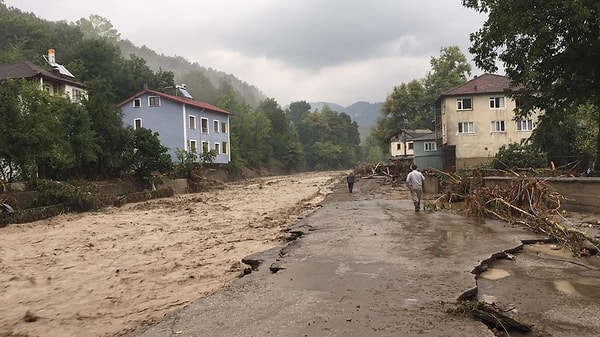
297	110
567	138
448	70
329	133
29	132
411	105
518	156
107	124
77	146
98	27
145	155
549	48
286	150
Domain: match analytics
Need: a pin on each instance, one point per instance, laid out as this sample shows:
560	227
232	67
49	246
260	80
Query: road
366	264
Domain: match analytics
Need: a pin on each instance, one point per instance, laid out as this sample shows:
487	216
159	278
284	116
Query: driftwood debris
524	200
397	169
493	317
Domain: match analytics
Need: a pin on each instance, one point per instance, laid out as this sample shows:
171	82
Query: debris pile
523	200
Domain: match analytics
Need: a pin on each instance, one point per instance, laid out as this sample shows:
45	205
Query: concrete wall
580	194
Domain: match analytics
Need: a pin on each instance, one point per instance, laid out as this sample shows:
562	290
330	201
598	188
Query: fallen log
493	318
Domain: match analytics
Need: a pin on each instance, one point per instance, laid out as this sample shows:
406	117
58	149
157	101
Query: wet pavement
366	264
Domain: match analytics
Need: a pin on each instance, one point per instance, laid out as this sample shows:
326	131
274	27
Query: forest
41	137
49	138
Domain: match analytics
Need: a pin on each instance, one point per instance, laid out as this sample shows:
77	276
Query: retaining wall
581	194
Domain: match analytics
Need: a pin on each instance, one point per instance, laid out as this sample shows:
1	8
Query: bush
518	156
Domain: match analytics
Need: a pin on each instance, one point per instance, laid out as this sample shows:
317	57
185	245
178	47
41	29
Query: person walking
414	182
350	181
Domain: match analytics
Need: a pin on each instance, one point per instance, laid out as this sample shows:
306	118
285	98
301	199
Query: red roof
198	104
483	84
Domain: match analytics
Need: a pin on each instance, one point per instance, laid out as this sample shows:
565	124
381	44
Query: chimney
51	56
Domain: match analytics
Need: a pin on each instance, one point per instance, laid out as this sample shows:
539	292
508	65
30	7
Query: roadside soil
105	273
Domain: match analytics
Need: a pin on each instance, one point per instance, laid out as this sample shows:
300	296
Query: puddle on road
550	250
494	274
581	287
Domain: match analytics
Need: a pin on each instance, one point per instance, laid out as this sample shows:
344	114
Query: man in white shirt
414	182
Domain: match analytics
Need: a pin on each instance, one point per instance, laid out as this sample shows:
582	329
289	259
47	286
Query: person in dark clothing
350	181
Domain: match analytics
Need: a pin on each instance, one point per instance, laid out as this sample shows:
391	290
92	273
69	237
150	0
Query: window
430	146
137	103
411	146
464	104
497	103
224	127
153	101
465	127
204	122
525	125
224	147
137	123
498	126
218	148
193	122
398	146
193	146
205	147
215	126
77	95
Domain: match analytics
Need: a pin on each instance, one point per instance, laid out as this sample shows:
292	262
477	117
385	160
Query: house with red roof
475	119
182	123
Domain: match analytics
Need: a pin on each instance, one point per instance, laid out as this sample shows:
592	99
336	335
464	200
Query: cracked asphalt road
367	265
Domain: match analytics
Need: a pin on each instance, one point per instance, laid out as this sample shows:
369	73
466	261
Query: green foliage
57	193
297	110
330	139
567	138
185	163
549	48
146	156
518	156
97	27
410	105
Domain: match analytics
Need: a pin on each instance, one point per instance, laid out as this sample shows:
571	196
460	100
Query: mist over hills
196	77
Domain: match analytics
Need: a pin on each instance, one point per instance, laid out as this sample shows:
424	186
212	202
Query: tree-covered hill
201	82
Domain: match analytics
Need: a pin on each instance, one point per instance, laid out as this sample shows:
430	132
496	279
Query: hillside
201	82
363	113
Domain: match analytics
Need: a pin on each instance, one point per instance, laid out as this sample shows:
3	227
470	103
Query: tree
297	110
98	27
145	155
329	139
448	70
550	50
286	150
518	156
412	104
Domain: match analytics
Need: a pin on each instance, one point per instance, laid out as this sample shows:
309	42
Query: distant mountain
365	114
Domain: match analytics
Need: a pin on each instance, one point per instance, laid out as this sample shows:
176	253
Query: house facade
426	152
57	81
182	123
402	142
475	119
420	145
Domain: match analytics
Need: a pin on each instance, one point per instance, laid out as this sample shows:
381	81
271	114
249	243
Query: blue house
426	152
182	123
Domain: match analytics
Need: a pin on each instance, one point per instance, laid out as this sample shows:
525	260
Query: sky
337	51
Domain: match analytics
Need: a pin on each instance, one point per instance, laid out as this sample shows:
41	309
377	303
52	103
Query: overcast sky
339	51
